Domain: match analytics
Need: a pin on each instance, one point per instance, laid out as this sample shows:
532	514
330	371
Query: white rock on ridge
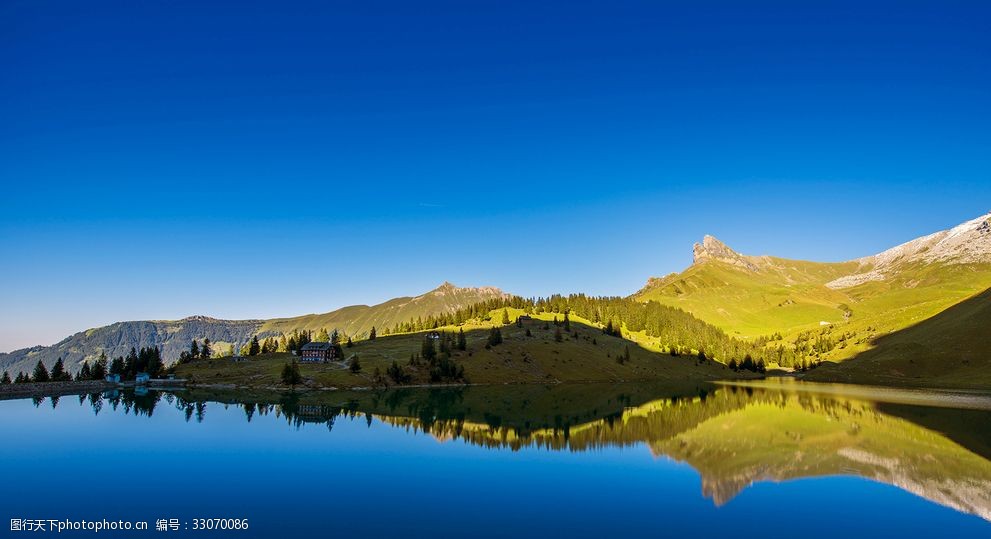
967	243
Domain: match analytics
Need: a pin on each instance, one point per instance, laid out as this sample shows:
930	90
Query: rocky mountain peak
448	288
713	249
199	318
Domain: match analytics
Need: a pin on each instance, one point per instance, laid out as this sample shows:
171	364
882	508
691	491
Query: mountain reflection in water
733	436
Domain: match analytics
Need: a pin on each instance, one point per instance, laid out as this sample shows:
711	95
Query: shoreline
865	390
52	389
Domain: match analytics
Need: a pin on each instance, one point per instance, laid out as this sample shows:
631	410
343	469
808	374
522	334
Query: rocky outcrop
713	249
170	336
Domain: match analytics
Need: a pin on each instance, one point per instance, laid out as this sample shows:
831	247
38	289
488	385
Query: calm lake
771	460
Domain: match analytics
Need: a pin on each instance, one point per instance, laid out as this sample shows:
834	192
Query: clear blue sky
162	159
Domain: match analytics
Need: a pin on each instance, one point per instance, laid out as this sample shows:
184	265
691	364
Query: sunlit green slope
359	319
535	351
773	295
851	304
950	349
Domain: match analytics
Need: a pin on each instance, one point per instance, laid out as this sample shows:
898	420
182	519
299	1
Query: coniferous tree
495	337
733	365
354	365
40	373
371	334
462	341
131	364
335	337
445	344
194	350
624	357
397	373
84	372
290	374
21	378
505	317
99	369
205	350
117	366
427	350
748	363
349	343
567	322
153	363
58	372
322	336
6	378
254	348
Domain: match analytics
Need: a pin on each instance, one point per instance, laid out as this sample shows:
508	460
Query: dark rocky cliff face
171	336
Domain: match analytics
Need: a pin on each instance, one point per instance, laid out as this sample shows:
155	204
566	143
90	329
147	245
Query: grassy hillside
358	320
785	296
754	297
950	349
584	354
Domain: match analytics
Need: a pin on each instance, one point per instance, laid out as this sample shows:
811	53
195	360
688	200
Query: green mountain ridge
862	299
358	320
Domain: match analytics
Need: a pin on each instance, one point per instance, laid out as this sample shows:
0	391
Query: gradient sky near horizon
260	159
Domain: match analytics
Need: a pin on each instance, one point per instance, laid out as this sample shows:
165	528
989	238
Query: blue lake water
595	461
